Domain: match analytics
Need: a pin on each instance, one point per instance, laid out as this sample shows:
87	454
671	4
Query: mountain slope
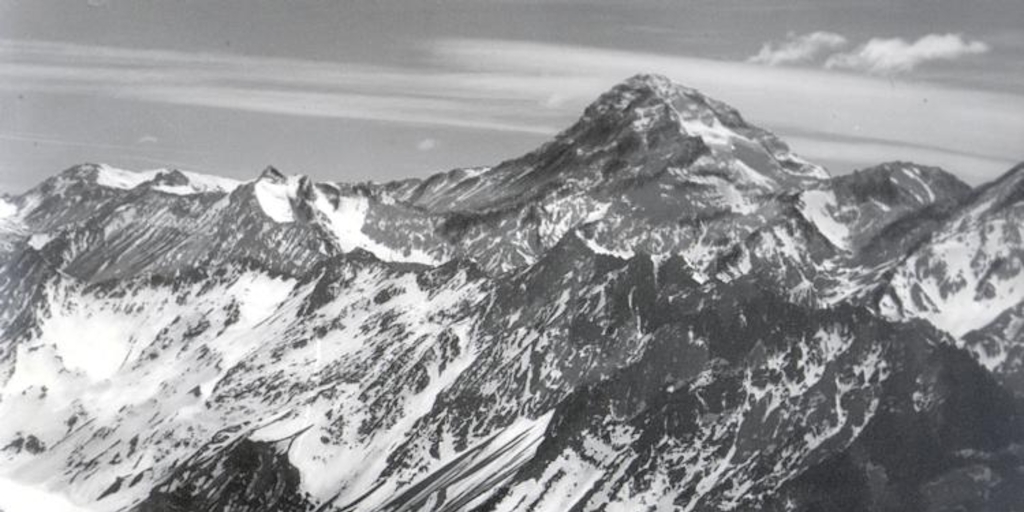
969	270
663	308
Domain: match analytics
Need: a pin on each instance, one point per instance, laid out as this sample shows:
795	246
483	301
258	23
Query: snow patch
707	127
818	206
37	366
275	200
752	176
19	497
39	240
94	345
7	209
112	177
199	184
600	249
346	221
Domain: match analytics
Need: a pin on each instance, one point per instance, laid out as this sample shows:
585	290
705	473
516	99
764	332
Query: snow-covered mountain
663	308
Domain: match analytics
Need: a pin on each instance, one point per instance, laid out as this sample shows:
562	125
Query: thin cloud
270	85
889	56
427	144
403	109
852	153
37	139
530	88
798	48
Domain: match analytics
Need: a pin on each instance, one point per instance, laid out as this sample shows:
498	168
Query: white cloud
798	48
888	56
426	144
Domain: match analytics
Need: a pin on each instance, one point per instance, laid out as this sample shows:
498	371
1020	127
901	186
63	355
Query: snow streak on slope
820	207
468	479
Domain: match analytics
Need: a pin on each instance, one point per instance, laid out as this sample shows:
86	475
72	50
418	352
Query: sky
353	90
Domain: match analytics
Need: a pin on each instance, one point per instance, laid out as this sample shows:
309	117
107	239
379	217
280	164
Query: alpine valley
662	308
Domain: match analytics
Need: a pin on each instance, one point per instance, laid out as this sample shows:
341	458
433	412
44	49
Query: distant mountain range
662	308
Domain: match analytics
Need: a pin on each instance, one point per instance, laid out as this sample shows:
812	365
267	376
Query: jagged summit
648	100
719	125
272	174
896	184
656	83
172	177
636	92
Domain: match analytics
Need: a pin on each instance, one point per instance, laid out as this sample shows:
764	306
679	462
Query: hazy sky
356	90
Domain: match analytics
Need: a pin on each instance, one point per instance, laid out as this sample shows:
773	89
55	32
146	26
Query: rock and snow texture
820	207
164	180
970	271
663	308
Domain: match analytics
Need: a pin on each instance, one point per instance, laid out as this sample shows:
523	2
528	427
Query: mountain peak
647	103
172	177
110	178
103	175
270	173
640	93
645	128
903	182
643	90
658	85
655	83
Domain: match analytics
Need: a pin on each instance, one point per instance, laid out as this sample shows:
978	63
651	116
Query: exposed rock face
663	308
245	476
